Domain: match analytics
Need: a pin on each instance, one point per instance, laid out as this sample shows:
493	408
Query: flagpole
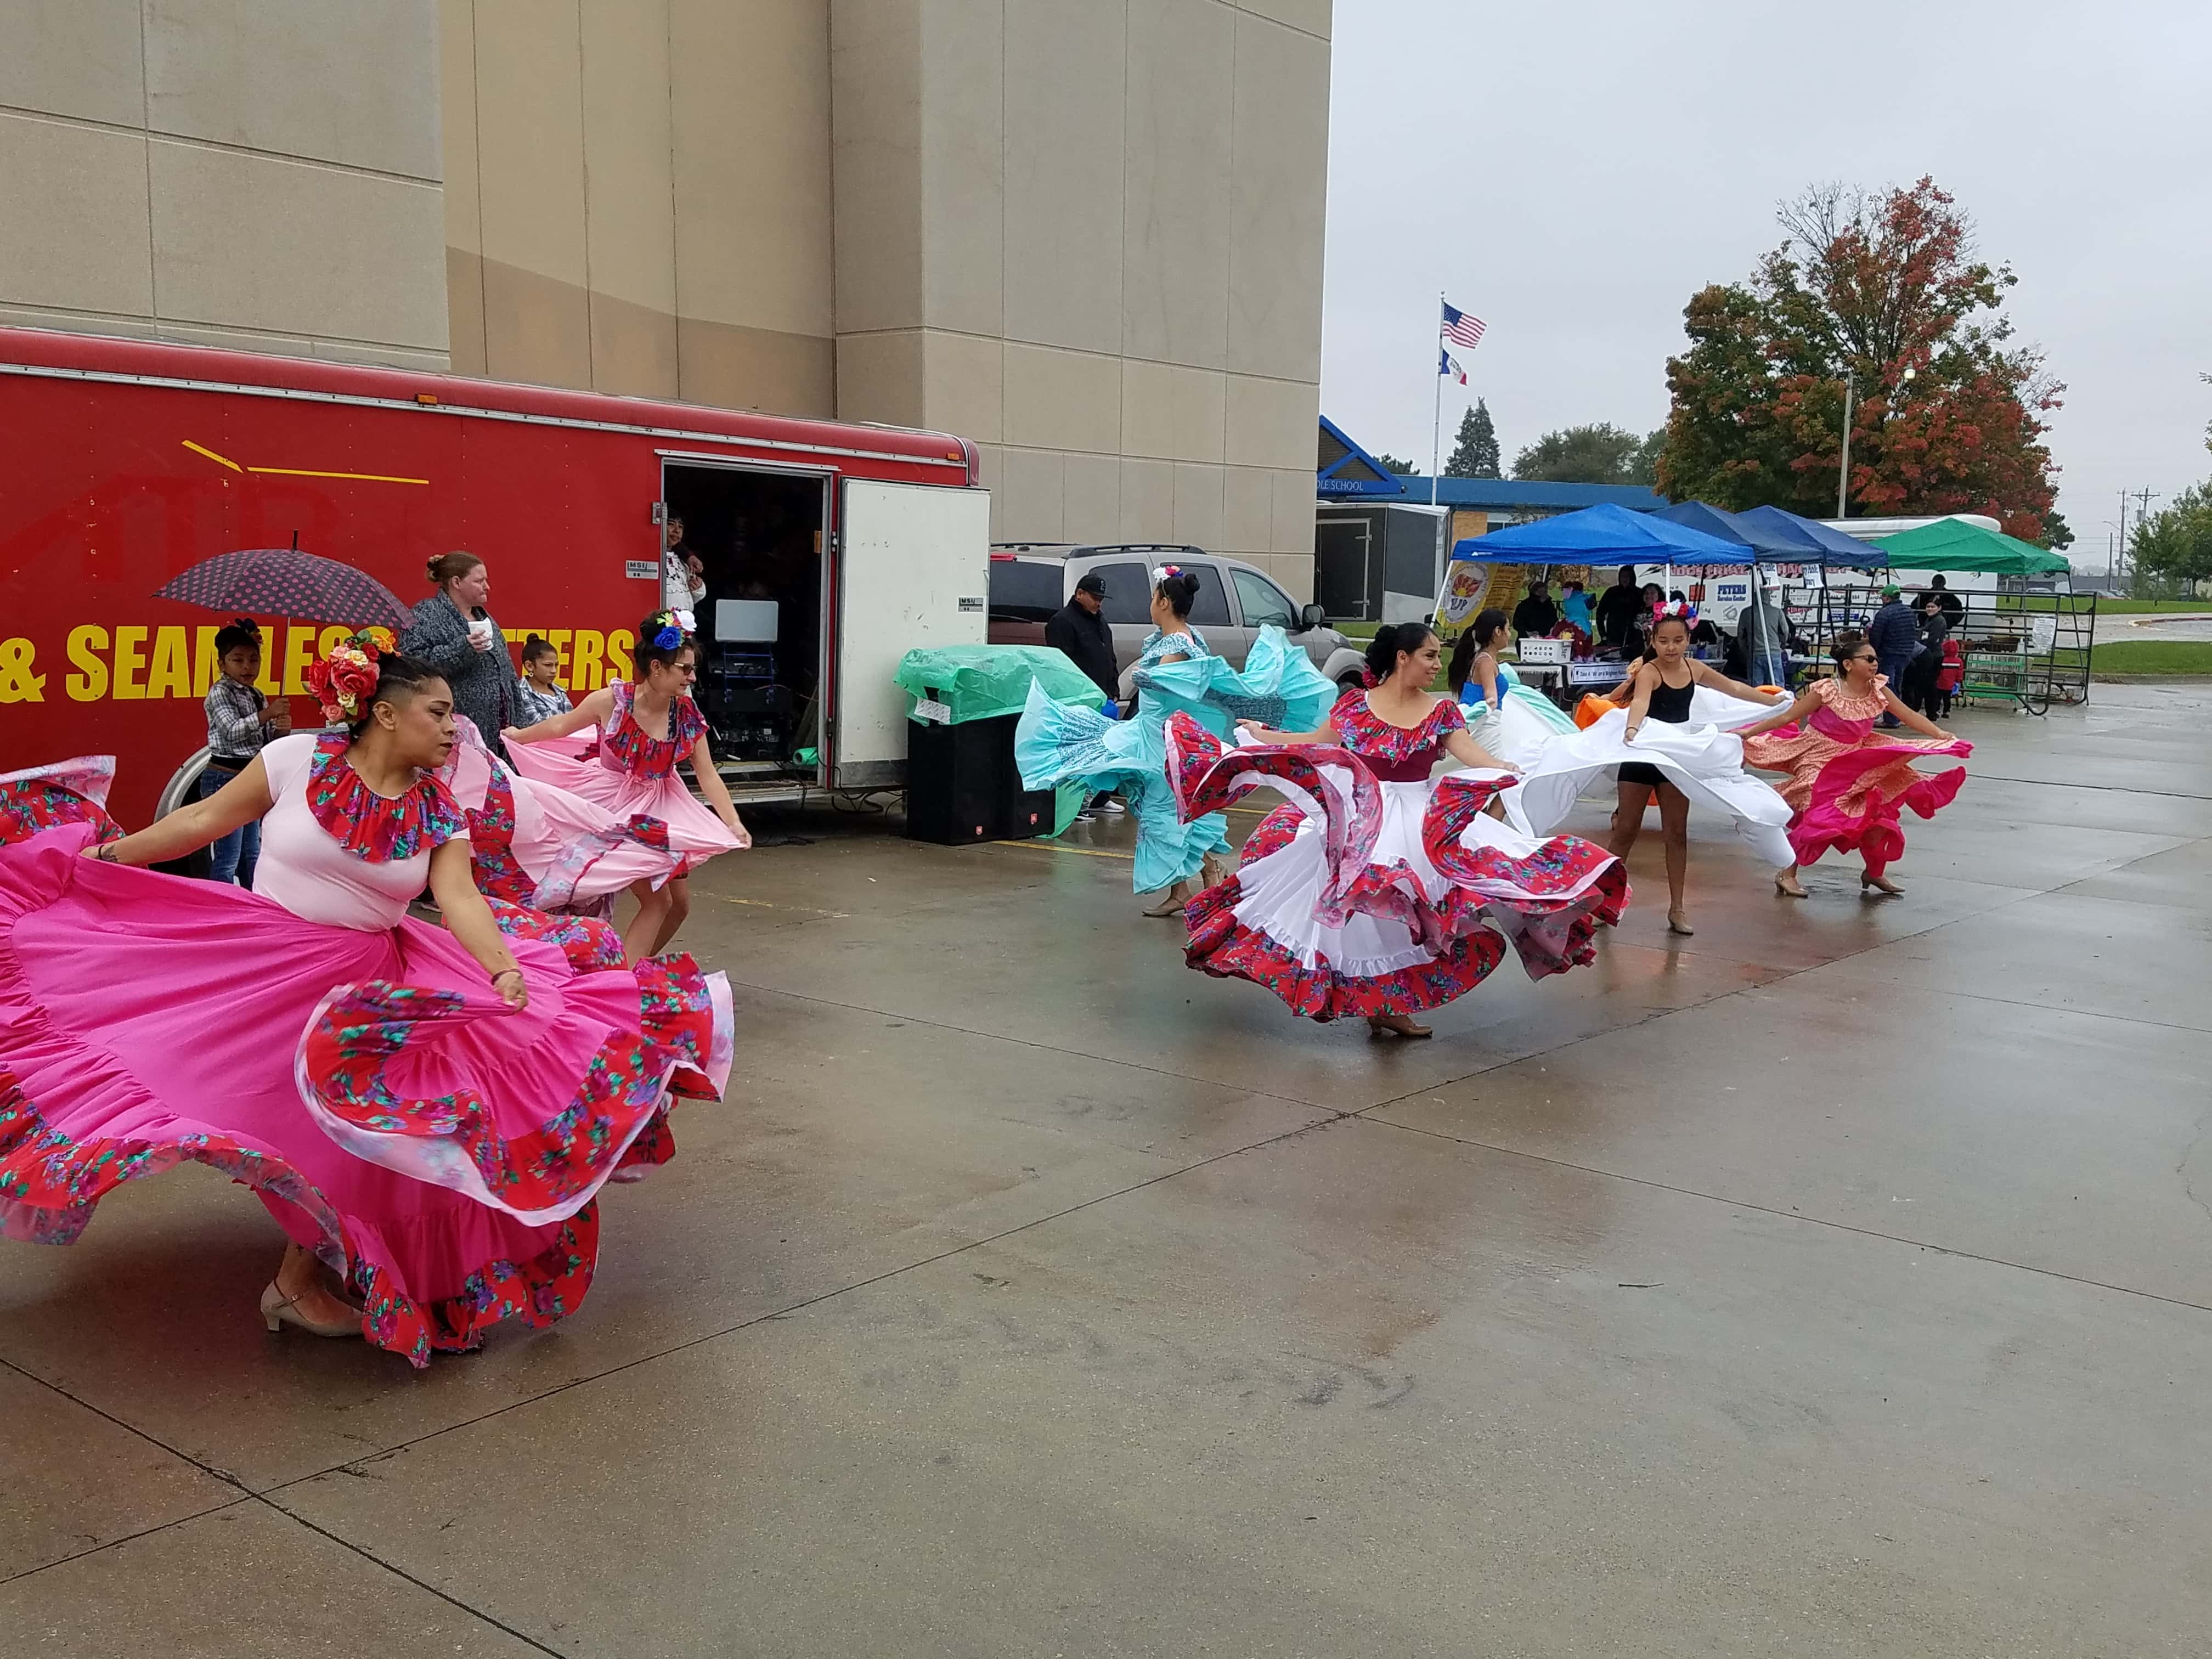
1436	420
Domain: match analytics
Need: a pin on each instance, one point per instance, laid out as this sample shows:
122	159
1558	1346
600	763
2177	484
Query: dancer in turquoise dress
1176	672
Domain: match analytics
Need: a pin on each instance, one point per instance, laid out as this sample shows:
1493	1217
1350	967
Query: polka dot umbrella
282	582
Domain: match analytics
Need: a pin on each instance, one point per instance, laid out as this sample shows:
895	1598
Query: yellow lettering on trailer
586	672
171	675
128	664
17	683
89	683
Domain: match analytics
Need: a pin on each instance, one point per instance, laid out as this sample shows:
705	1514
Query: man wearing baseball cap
1080	631
1894	634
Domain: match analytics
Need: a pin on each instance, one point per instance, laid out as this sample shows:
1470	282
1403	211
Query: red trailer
129	460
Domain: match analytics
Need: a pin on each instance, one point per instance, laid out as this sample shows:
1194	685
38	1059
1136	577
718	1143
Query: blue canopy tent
1815	542
1599	535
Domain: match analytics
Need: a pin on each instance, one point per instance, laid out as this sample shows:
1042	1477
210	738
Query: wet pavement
1835	1282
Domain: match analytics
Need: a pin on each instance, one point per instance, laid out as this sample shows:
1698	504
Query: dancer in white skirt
1672	741
1378	891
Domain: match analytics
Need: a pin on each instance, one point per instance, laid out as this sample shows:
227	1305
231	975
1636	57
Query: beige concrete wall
225	172
639	197
1087	233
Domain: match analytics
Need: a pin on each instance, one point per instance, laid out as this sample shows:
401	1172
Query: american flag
1461	328
1446	366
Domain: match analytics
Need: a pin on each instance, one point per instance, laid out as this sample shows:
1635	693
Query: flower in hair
1165	571
684	620
1674	610
344	678
668	638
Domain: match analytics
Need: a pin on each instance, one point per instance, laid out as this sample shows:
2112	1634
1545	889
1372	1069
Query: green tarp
978	682
1955	545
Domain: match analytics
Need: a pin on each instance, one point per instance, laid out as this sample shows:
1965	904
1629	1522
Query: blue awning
1815	542
1600	535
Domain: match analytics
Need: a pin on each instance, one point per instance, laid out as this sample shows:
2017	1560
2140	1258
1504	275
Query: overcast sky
1571	172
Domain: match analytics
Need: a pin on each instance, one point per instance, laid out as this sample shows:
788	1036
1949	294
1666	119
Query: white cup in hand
482	635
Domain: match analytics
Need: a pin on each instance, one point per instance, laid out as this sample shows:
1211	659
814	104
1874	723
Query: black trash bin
962	784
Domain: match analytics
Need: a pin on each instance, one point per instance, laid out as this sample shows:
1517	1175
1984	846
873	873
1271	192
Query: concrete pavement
1835	1282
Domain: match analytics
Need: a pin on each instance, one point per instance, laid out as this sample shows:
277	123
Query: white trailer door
913	567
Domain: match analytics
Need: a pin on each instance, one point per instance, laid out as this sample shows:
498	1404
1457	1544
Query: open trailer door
913	568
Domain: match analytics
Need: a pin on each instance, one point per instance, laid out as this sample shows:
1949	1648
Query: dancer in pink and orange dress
624	768
428	1113
1378	891
1848	782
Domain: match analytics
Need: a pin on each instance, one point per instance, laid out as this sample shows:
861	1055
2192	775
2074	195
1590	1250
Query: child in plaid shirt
240	720
537	697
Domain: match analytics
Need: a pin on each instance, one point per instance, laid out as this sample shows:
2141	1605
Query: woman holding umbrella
454	633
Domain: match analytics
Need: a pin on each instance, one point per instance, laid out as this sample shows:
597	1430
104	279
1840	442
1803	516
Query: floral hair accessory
344	678
1165	571
668	630
684	620
1674	610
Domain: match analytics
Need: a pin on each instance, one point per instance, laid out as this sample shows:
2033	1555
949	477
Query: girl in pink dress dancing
1848	781
645	728
428	1112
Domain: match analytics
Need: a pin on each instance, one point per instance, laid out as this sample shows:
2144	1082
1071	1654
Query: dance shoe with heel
1678	922
278	1310
1882	884
1396	1025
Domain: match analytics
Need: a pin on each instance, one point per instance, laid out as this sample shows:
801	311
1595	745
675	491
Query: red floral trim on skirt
1227	948
51	1184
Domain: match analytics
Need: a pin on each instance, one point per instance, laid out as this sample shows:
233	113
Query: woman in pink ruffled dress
623	768
1379	891
537	847
1850	783
428	1112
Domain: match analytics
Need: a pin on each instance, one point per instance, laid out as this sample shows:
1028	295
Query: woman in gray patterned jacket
453	632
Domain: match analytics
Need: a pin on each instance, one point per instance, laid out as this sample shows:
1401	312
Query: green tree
2174	544
1643	465
1603	453
1475	453
2057	534
1390	463
1947	412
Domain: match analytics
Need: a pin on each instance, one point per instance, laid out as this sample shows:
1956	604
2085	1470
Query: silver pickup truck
1031	580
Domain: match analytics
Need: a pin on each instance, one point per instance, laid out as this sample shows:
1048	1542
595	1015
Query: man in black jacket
1620	609
1894	634
1082	633
1079	631
1535	617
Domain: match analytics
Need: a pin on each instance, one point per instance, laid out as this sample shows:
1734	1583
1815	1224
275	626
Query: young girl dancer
1176	672
1681	713
428	1112
1848	781
1378	892
630	771
1664	687
1486	687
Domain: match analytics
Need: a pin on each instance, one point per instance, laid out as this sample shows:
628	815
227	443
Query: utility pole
2143	499
1844	471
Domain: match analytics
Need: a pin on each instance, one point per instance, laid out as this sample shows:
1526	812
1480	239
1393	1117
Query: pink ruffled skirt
439	1152
572	763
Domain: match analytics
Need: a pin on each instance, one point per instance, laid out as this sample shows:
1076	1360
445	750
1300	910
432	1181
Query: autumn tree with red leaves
1873	286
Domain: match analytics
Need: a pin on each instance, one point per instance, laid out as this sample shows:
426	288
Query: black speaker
962	785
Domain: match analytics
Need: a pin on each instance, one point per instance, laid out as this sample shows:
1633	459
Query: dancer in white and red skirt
1377	891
